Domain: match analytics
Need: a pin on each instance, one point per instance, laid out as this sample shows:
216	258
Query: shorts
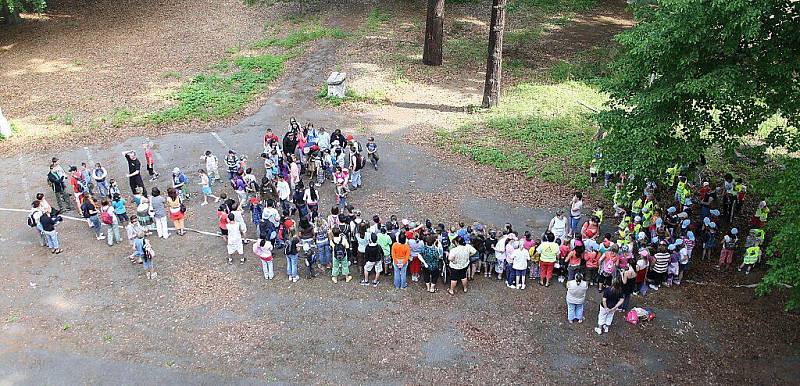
475	258
682	267
206	190
520	272
430	275
235	248
223	231
458	274
373	265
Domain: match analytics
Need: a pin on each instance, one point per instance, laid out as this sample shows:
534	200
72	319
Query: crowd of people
662	227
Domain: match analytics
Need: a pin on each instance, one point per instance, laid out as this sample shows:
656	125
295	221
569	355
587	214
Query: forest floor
89	316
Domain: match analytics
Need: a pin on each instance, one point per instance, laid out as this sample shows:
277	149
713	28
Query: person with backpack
147	258
608	264
111	221
90	212
373	254
311	198
56	182
33	221
159	205
341	265
291	251
431	257
77	185
177	211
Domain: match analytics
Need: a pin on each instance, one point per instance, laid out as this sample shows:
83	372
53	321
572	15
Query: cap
671	209
714	212
641	236
659	221
712	225
685	223
706	220
637	218
404	222
683	215
706	183
734	231
349	137
306	247
679	242
654	240
688	202
727	238
671	247
176	170
690	235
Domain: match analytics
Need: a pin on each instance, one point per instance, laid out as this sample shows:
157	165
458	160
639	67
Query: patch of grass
463	50
591	66
376	17
540	130
12	318
550	6
119	117
64	119
66	327
522	36
350	95
107	338
219	94
299	37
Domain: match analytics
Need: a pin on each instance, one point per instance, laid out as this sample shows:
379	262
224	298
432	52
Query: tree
434	33
10	9
494	61
699	73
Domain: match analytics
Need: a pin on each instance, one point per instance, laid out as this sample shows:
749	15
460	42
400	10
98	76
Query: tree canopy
697	74
9	9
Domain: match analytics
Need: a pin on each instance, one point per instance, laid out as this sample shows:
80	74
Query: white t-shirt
521	257
576	293
234	233
283	190
558	226
577	206
460	255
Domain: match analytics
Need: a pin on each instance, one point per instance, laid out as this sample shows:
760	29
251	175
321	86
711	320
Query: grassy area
541	130
376	17
465	51
350	95
591	66
550	6
299	37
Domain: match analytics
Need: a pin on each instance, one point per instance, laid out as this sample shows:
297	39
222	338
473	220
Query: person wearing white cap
760	218
728	247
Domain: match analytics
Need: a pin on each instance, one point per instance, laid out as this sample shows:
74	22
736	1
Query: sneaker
101	237
374	283
364	282
334	280
605	328
148	275
348	278
523	286
205	203
598	331
652	287
154	275
295	279
230	261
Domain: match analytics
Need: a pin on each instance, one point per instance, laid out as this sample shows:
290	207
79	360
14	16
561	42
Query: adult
357	163
91	213
574	259
49	228
134	171
401	254
263	249
179	181
176	211
100	177
289	143
341	266
575	212
628	278
34	220
458	263
609	305
576	297
373	254
558	225
591	228
159	205
548	255
56	181
431	257
323	139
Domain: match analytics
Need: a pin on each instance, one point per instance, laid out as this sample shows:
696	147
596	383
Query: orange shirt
401	253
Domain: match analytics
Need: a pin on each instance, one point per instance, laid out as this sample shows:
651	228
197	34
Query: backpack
106	218
339	251
359	161
31	221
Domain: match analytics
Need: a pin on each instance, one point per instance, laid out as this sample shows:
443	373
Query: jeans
574	311
113	233
400	275
340	267
52	239
266	266
102	187
355	179
42	237
643	288
324	253
161	226
291	265
573	224
95	221
342	202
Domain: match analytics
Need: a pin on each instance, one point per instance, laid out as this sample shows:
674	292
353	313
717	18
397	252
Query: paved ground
88	316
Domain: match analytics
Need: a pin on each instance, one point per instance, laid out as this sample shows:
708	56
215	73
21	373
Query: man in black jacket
56	182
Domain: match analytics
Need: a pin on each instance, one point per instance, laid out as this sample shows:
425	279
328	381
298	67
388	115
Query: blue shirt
119	206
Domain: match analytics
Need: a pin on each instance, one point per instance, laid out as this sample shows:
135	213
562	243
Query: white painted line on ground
88	156
24	180
221	142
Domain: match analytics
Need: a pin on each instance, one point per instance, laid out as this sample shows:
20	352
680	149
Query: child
710	240
672	269
341	195
593	171
535	259
563	252
520	264
372	152
113	189
599	214
212	166
751	256
235	244
490	258
683	261
148	156
726	253
147	259
309	257
263	249
291	251
118	204
642	266
591	258
205	184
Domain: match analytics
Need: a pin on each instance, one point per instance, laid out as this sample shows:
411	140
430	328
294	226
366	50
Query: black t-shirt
373	253
611	296
88	209
47	223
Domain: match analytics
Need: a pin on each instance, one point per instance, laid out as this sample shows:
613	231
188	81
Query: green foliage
591	66
521	36
784	247
219	94
376	18
465	51
18	6
64	119
350	95
299	37
540	130
701	75
550	6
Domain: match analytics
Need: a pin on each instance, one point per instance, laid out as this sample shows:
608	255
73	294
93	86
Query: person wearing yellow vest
760	218
548	255
751	256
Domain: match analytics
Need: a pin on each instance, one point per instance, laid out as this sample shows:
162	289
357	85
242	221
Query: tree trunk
7	16
494	62
434	33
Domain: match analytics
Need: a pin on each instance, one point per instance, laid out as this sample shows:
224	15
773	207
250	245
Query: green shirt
385	241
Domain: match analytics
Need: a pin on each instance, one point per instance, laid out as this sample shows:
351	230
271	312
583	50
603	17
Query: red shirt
270	137
223	219
148	156
591	258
